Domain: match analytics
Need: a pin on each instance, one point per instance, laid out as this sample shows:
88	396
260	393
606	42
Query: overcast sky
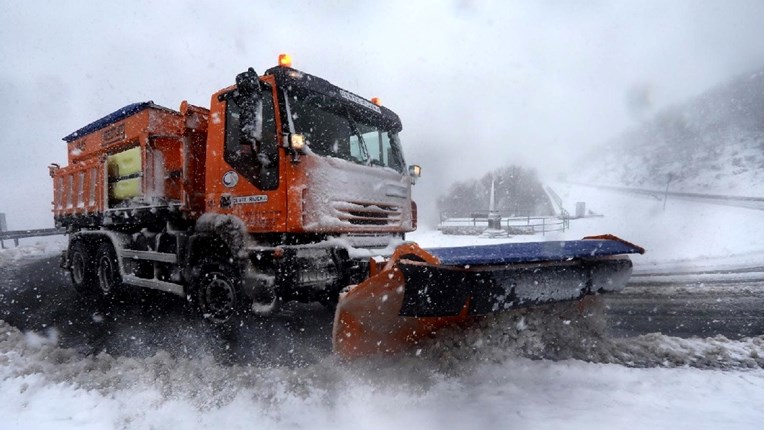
477	84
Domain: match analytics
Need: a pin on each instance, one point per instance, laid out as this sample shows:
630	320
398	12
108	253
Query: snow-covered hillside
711	144
680	232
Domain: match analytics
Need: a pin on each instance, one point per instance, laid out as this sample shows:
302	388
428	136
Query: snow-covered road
151	364
148	322
488	377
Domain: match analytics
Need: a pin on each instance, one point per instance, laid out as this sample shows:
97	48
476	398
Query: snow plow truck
290	188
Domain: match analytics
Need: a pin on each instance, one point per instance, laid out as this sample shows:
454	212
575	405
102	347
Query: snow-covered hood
341	195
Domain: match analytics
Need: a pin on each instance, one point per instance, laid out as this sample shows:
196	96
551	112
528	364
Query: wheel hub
78	268
105	274
219	297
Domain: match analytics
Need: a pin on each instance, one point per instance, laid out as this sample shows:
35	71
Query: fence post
3	227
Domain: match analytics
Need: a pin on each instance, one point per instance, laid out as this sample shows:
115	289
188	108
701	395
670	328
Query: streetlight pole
666	191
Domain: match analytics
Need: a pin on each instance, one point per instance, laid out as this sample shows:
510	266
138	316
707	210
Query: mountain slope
711	144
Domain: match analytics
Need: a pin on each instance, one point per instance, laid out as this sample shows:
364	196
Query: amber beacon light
285	60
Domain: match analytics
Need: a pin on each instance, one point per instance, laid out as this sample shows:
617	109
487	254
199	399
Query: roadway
36	295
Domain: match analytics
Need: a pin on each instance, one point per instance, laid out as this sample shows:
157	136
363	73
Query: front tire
218	293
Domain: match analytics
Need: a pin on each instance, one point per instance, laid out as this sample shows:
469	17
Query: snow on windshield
331	129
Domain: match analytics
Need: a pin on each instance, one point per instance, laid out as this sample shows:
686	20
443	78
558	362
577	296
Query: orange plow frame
367	319
415	292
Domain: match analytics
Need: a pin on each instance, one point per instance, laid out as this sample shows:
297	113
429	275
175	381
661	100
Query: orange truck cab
281	190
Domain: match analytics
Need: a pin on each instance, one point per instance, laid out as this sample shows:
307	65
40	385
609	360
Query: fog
477	85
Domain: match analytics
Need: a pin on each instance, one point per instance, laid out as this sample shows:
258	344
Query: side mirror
250	102
248	83
414	172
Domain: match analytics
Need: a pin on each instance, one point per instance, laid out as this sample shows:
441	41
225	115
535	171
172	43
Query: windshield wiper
362	144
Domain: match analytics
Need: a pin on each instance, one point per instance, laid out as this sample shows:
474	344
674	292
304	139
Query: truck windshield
334	129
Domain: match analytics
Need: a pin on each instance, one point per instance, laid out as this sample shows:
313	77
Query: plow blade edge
417	292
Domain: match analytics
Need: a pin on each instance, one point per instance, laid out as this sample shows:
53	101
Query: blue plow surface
510	253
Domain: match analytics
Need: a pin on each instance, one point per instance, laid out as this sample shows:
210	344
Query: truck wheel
82	269
217	293
108	270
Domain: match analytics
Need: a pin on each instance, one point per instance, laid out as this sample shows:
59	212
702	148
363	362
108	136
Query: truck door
250	182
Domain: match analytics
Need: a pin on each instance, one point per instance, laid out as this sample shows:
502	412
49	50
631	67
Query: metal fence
477	223
21	234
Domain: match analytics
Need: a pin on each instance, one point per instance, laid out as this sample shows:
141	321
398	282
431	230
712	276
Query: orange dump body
163	154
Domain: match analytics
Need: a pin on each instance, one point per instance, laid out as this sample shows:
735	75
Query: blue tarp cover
508	253
113	117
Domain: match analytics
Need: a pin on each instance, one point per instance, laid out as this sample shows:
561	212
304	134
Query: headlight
414	172
297	142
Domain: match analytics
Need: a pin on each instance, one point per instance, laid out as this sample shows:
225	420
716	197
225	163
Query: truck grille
359	213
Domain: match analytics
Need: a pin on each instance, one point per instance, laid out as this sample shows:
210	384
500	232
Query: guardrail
737	201
513	225
21	234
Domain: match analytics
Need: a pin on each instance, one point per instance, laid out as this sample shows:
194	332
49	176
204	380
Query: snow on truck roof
285	76
114	117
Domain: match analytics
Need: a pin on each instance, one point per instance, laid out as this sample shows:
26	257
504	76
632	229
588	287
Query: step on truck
290	188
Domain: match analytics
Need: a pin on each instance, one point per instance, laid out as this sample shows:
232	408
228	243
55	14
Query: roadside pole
666	191
3	227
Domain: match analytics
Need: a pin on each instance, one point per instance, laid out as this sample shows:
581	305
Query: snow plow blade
416	292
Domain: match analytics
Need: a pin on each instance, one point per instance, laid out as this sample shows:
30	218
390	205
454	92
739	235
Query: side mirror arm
249	99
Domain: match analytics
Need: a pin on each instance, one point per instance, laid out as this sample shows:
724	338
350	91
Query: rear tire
82	268
108	270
